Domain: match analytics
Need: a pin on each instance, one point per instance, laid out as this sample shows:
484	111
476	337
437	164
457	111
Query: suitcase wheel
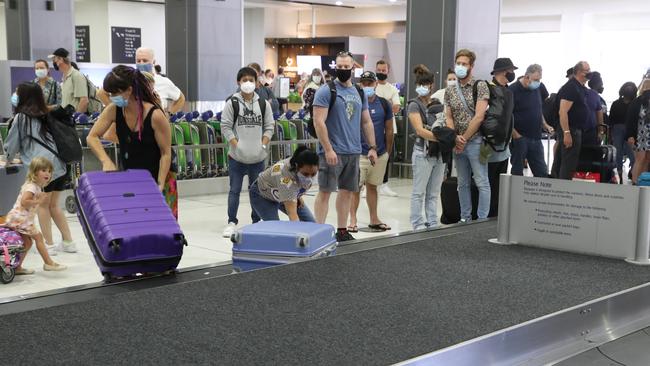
7	274
302	242
70	205
235	237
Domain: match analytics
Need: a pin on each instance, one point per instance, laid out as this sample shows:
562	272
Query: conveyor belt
372	307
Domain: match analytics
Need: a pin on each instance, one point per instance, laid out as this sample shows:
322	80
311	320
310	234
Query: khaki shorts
372	174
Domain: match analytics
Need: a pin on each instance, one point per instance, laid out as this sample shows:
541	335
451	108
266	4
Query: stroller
11	247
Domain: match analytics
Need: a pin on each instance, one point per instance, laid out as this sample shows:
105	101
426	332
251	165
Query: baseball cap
60	52
368	76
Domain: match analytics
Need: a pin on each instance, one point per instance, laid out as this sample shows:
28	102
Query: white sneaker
227	232
51	250
68	246
386	191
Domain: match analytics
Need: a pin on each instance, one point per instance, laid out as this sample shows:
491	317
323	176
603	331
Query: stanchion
642	230
504	212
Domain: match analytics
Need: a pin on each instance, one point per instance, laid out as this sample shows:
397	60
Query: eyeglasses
344	54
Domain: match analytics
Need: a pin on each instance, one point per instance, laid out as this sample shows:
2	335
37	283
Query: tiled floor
202	219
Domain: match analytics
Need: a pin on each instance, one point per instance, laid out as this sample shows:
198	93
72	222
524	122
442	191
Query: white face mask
40	73
451	82
247	87
316	79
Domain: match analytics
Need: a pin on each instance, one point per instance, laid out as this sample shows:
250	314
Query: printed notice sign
124	42
82	49
577	216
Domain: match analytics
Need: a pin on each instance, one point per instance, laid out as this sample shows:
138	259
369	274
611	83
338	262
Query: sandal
379	227
353	229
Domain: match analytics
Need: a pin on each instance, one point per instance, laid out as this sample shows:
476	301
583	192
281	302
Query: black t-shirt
543	92
575	92
618	112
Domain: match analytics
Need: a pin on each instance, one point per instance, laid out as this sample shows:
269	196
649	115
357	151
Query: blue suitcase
644	179
269	243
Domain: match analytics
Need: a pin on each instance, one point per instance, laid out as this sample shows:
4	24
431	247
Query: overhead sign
124	42
82	49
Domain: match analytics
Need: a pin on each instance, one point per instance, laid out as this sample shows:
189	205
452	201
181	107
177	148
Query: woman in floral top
21	217
51	89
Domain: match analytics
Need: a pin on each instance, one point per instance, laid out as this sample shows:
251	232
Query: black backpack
551	110
235	108
497	124
64	134
333	95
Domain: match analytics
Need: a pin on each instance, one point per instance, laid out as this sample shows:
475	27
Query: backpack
551	110
497	124
94	104
64	135
235	108
333	95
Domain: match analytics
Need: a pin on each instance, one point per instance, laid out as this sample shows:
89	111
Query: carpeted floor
375	307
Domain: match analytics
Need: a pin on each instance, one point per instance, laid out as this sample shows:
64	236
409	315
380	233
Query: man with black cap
372	175
504	73
74	89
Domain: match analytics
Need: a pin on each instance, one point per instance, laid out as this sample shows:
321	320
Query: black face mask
55	65
343	75
589	75
600	90
629	93
510	76
382	77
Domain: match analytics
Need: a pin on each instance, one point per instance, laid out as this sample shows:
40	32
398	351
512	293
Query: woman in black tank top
142	128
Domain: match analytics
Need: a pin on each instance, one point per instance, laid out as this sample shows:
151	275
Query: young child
21	217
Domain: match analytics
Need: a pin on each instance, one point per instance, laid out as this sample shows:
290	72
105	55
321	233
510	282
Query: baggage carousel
440	297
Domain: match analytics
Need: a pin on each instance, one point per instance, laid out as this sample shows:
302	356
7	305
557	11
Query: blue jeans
621	145
236	173
531	149
468	164
427	179
268	210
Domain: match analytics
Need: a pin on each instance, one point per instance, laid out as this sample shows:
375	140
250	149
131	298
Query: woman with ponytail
142	129
281	186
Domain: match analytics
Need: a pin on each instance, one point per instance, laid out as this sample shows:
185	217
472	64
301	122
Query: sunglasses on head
343	54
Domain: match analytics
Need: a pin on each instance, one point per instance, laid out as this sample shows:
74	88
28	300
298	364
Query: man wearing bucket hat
504	73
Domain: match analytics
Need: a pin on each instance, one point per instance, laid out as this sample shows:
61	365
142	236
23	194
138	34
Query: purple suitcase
129	227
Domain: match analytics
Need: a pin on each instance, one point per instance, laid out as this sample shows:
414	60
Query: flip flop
353	229
379	227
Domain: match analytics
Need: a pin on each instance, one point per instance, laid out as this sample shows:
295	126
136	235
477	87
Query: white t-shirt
166	90
389	92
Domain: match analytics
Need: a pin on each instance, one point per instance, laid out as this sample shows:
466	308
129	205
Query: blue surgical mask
304	180
14	100
369	90
534	85
145	67
460	71
119	101
40	73
422	90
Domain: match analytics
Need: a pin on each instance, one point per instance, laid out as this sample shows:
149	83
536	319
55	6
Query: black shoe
344	236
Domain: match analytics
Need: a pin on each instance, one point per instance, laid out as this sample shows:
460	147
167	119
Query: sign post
82	49
124	42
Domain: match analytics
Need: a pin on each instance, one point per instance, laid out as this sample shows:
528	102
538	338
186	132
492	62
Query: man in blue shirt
381	113
529	120
339	133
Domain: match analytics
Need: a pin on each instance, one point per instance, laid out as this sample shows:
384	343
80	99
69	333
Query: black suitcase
598	159
451	203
